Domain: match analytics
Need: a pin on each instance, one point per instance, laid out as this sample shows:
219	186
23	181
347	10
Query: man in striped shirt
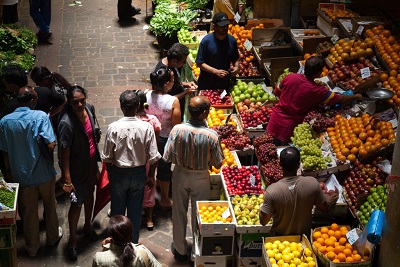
194	149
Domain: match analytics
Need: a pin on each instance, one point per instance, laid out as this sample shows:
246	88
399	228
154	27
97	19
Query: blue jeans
127	188
40	11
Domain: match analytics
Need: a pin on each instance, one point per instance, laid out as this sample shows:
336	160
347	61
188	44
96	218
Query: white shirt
129	143
161	107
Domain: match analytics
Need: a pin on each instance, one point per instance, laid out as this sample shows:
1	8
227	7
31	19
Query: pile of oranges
216	117
387	45
229	160
241	34
196	70
359	136
334	13
332	242
211	214
392	82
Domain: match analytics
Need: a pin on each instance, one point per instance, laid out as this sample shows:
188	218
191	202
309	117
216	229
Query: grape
233	139
262	139
319	122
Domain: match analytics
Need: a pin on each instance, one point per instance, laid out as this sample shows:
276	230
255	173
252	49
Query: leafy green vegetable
167	20
10	42
24	33
7	198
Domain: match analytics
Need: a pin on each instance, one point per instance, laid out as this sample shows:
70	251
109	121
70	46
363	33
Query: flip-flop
150	226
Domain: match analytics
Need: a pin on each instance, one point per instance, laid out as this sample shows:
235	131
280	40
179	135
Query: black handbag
97	130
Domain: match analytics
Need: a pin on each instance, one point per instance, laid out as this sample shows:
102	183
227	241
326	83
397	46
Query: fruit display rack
241	181
216	178
8	217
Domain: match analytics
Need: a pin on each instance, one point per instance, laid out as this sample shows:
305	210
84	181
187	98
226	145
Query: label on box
352	236
360	30
365	73
223	94
248	45
237	17
226	214
252	180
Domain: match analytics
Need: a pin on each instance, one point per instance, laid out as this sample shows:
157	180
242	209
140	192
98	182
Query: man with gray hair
129	144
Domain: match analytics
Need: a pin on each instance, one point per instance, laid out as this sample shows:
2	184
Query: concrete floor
91	48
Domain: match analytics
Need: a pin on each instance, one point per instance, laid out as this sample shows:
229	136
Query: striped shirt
193	146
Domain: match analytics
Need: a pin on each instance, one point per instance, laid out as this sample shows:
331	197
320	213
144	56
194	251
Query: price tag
334	39
248	45
360	30
226	214
252	180
223	94
365	73
352	236
237	17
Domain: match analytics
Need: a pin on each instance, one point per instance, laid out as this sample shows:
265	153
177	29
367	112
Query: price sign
248	45
365	73
252	180
223	94
352	236
334	38
237	17
226	214
360	30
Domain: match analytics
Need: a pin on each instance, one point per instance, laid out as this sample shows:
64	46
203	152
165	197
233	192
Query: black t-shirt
46	99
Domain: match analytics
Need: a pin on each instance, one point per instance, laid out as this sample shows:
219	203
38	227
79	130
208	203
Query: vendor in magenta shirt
298	94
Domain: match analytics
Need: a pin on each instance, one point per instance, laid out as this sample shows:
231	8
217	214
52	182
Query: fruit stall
348	149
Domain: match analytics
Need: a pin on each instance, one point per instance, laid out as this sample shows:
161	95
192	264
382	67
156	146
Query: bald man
19	132
194	149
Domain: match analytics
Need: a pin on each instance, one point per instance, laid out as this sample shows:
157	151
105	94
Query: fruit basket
298	246
330	12
8	216
248	223
191	39
241	180
220	99
222	223
343	253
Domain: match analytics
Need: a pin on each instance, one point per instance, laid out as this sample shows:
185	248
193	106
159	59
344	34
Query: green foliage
24	33
167	20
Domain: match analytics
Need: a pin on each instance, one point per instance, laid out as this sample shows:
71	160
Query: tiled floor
91	48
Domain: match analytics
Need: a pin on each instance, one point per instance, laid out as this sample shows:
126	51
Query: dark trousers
125	9
10	14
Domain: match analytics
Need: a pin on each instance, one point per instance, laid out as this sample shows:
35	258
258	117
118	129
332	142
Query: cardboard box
276	66
264	37
328	29
369	22
8	217
325	262
8	236
292	238
199	34
8	257
217	229
268	23
208	261
228	109
216	245
250	245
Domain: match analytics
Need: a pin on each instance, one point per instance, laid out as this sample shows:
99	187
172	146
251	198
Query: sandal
150	226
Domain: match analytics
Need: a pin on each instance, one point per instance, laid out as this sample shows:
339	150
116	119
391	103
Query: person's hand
332	197
191	88
221	73
106	241
68	186
234	71
150	181
358	97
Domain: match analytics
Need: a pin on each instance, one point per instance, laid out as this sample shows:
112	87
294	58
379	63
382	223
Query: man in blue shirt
27	166
218	56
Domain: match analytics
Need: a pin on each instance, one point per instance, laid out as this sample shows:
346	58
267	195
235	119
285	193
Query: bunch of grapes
262	139
233	139
272	171
310	147
319	122
267	152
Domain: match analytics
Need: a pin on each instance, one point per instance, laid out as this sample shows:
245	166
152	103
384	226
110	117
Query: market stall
347	148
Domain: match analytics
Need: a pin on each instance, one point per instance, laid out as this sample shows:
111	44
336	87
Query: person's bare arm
344	99
208	68
65	171
330	199
176	113
264	218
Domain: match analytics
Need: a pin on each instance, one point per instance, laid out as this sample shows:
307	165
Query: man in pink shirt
298	94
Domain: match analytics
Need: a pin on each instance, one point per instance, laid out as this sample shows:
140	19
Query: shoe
177	256
135	11
43	35
91	235
150	226
60	235
72	255
128	19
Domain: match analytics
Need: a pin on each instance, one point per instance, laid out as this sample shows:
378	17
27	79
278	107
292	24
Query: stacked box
8	217
208	261
217	238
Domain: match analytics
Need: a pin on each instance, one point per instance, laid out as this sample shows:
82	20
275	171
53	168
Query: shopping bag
103	194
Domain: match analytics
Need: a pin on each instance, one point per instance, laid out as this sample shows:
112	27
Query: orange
333	239
331	233
331	255
325	236
341	257
325	230
329	242
316	235
347	252
322	249
330	249
338	249
338	234
348	246
345	151
349	259
316	244
342	240
352	158
335	260
321	241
